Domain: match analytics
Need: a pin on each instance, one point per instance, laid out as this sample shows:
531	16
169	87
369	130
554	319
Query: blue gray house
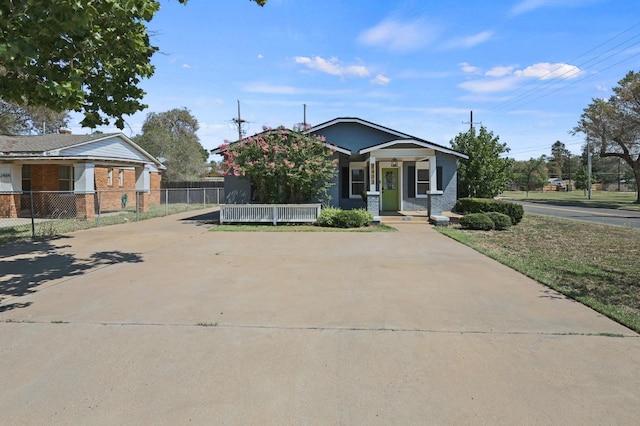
380	169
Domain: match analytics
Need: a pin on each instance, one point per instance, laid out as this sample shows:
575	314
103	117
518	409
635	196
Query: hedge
485	205
479	221
333	217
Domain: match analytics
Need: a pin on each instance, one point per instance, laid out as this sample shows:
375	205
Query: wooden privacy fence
269	213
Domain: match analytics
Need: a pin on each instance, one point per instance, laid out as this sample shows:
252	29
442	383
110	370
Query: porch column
373	196
10	186
143	187
84	189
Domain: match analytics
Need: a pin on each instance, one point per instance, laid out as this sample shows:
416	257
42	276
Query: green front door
390	189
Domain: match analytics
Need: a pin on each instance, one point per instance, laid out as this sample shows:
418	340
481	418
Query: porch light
394	162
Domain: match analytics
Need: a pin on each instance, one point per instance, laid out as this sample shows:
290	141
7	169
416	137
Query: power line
607	54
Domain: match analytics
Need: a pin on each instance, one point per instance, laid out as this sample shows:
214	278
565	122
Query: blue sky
526	68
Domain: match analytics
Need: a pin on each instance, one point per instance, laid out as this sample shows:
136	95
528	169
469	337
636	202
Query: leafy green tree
26	120
582	179
485	174
171	136
613	125
81	55
530	174
558	161
285	166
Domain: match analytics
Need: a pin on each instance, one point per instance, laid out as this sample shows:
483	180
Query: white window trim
71	179
357	166
110	176
120	177
423	165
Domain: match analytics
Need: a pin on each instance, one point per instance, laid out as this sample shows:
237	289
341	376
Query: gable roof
219	150
61	145
400	136
43	143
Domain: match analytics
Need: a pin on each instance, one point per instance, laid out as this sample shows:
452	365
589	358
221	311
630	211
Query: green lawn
601	199
593	264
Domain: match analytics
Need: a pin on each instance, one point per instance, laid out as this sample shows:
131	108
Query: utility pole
239	122
304	118
471	122
589	169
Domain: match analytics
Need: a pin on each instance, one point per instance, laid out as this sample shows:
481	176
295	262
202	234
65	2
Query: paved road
603	216
163	322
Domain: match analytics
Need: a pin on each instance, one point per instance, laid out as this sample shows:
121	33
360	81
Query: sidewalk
164	322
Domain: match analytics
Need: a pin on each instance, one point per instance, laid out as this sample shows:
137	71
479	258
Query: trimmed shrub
500	220
478	221
337	218
484	205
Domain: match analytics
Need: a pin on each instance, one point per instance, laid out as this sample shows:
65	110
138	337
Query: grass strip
297	228
596	265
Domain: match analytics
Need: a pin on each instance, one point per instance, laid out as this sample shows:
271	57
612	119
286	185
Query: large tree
485	174
81	55
27	120
613	125
171	136
285	166
558	160
530	174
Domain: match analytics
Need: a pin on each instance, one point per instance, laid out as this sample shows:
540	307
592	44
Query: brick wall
9	205
45	177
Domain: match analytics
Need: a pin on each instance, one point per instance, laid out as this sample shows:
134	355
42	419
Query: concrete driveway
163	322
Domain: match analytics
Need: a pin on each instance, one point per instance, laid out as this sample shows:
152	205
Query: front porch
420	217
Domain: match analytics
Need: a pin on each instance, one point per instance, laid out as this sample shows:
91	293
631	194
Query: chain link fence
46	213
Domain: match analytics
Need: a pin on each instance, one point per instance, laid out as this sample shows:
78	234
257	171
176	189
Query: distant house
392	170
78	165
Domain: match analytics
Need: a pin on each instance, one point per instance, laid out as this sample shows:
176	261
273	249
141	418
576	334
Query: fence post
187	199
275	215
204	198
33	213
137	206
166	202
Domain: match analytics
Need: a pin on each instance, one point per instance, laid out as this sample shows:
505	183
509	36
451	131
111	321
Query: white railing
269	213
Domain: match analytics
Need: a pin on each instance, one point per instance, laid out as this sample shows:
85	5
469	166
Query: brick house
77	166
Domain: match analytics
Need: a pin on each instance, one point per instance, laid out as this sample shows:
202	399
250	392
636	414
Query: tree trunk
636	173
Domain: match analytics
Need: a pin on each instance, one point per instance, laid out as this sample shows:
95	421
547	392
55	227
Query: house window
26	177
422	179
65	178
110	176
357	180
121	177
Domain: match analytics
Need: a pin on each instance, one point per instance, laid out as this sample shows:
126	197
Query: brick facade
46	177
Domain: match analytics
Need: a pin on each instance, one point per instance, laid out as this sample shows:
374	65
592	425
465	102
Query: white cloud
499	71
528	5
547	71
470	41
489	85
381	80
260	56
186	66
501	78
332	66
398	36
469	69
270	89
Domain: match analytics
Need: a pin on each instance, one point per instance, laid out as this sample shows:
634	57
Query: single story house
380	169
75	166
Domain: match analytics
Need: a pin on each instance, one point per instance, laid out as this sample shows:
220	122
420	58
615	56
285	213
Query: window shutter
411	185
344	184
439	178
